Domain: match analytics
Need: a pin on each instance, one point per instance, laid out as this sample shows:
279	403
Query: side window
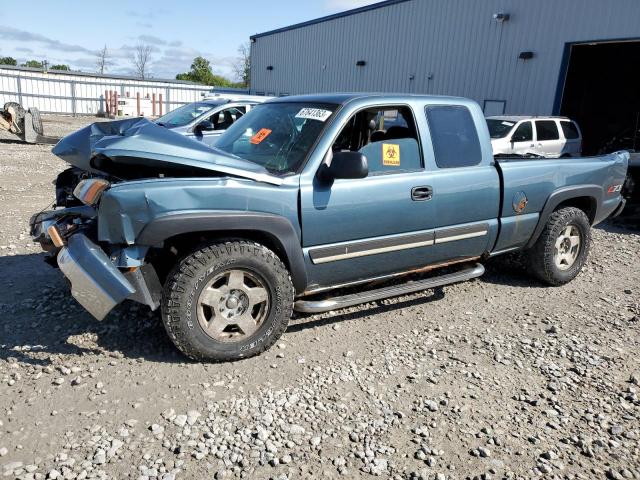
570	130
387	136
225	118
547	130
524	133
454	136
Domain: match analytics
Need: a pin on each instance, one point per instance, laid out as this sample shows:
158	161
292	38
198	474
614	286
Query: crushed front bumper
95	282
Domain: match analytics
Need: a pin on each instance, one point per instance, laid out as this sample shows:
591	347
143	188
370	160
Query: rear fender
593	193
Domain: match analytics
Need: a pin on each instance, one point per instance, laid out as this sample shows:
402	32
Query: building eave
328	18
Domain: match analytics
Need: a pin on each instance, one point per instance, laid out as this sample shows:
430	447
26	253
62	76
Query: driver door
360	228
402	216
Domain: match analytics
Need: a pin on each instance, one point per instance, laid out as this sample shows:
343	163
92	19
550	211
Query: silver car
206	120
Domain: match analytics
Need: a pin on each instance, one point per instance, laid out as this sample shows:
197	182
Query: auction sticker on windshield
314	114
260	136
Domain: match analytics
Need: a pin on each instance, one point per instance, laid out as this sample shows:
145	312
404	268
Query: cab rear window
454	136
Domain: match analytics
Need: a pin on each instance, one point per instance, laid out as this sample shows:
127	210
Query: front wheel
227	301
562	248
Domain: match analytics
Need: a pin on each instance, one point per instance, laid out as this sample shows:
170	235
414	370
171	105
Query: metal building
579	58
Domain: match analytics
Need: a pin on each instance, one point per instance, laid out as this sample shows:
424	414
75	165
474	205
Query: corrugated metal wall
84	95
449	47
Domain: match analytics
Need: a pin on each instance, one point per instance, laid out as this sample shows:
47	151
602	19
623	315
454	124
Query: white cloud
14	34
148	13
167	57
152	39
179	59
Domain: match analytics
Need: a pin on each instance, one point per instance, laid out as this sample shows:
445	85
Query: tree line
32	64
141	60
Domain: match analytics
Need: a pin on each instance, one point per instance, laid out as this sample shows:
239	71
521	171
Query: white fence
83	94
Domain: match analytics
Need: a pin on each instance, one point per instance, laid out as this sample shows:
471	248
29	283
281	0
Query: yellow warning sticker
390	155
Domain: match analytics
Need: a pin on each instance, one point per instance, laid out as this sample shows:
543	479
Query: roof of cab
343	98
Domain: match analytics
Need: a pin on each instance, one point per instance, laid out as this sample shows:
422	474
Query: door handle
421	194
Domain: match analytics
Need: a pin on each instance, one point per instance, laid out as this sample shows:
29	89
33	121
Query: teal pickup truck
308	203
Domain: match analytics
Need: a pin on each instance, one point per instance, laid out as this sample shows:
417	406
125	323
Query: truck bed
546	183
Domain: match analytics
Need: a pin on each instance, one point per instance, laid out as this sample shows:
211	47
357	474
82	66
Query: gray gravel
496	378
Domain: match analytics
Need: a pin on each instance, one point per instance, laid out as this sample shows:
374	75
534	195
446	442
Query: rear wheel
562	248
227	301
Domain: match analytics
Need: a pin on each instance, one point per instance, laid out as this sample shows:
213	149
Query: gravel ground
496	378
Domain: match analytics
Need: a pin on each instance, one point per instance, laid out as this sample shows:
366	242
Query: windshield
277	136
184	115
499	128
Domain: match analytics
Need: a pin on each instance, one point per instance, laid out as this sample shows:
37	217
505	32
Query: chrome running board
335	303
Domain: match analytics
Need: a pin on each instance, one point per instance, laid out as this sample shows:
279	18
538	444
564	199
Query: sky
71	31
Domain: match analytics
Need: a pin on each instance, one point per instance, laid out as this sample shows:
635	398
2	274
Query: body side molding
372	246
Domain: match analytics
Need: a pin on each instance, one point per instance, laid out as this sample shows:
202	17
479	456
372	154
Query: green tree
60	67
201	72
32	64
8	61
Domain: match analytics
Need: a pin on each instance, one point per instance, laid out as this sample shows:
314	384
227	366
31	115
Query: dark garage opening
602	93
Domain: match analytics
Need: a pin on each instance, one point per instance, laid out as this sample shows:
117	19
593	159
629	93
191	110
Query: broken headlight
90	190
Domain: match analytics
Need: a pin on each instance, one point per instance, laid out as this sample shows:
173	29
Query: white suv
548	137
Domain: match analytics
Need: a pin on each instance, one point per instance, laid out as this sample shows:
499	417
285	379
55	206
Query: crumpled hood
138	143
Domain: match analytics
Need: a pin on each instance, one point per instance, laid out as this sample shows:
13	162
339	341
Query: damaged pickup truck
311	203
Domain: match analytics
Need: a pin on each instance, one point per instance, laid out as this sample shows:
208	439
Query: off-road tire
190	276
540	258
36	121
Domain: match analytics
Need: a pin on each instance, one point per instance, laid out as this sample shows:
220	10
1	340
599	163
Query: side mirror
344	165
203	126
